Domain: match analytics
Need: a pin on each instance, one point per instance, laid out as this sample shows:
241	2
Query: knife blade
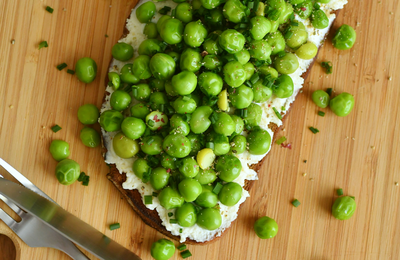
65	223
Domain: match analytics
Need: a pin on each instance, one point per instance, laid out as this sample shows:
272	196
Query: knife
65	223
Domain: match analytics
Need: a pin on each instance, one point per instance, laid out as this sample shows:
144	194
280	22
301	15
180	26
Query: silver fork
30	229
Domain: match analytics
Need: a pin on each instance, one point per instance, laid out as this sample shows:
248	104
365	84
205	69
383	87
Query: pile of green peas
191	96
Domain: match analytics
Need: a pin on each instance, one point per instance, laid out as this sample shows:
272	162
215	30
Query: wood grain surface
359	153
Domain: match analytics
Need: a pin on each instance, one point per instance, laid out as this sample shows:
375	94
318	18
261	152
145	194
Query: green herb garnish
43	44
320	113
115	226
217	188
314	130
49	9
56	128
327	65
296	203
339	192
277	113
281	140
329	91
164	10
148	199
181	247
186	254
173	221
70	72
62	66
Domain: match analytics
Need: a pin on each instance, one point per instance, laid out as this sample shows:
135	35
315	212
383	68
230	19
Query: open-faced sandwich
196	93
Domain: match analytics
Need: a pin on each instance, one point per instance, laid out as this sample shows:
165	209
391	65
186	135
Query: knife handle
20	246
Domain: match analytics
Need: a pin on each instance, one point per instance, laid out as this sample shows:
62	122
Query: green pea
287	64
344	38
231	40
178	125
114	79
172	31
196	143
304	9
157	84
259	141
276	41
210	83
168	161
189	167
211	62
141	169
194	34
186	215
299	36
261	92
249	68
86	70
260	26
212	47
307	51
59	150
209	219
199	122
277	8
156	120
184	105
319	19
120	100
234	74
184	83
157	99
169	89
268	70
242	56
89	137
140	67
190	189
320	98
150	30
260	49
67	171
150	47
229	167
152	144
238	144
145	12
162	66
266	227
111	120
254	114
125	147
133	127
127	74
141	92
295	2
230	194
177	145
159	178
183	12
239	124
122	51
285	16
223	124
161	21
323	1
207	198
274	26
140	111
241	97
285	87
234	11
162	249
190	60
211	4
88	114
344	207
220	141
206	176
342	104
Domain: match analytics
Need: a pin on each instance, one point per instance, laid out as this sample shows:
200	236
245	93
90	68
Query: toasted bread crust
151	217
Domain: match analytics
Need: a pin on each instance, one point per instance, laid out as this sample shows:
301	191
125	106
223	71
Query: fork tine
7	219
14	207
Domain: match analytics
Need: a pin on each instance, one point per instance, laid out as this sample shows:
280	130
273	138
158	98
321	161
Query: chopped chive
217	188
43	44
106	35
150	140
305	161
283	108
250	5
320	113
62	66
329	91
150	123
317	6
327	65
277	113
49	9
254	78
186	98
135	91
146	176
248	127
164	10
173	221
56	128
115	226
314	130
70	72
244	112
81	176
354	198
180	230
281	140
162	108
186	254
294	24
148	199
281	54
339	192
181	247
170	214
155	194
288	35
210	145
296	203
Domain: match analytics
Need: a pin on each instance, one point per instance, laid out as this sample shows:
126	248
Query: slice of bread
151	217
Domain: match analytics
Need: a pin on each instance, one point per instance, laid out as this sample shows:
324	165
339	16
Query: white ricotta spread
229	214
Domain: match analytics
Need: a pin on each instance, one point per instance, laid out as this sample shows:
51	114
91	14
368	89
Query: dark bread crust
150	217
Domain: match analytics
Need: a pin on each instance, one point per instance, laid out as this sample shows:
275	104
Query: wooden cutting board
359	153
